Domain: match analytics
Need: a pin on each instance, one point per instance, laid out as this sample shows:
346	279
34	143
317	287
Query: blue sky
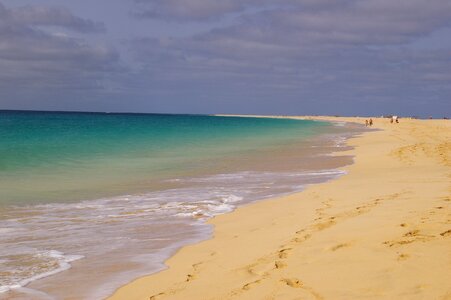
340	57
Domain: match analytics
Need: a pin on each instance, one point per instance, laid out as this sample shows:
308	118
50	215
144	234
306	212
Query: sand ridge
380	232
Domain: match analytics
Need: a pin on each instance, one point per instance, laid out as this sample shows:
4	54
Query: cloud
33	57
369	22
53	16
259	56
194	10
211	10
373	22
351	51
295	33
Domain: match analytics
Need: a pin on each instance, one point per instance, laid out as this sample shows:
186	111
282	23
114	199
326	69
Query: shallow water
149	188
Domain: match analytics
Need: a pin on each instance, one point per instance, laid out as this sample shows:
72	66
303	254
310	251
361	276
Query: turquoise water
47	157
89	202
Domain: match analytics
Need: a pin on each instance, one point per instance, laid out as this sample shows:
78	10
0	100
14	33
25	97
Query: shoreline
258	177
306	244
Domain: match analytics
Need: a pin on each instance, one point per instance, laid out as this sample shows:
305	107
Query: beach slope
382	231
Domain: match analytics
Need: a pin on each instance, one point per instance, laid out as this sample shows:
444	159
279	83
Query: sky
290	57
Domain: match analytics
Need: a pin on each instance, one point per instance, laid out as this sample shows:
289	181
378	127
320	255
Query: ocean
91	201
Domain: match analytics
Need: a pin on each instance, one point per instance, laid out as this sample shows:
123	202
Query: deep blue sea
100	199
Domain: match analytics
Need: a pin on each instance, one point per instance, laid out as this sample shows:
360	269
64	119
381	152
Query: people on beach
371	122
366	123
394	119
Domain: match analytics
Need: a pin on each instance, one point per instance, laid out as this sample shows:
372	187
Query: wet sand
380	232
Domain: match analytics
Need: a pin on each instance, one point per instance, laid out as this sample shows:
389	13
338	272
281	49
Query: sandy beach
382	231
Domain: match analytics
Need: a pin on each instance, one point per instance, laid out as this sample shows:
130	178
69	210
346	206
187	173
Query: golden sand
383	231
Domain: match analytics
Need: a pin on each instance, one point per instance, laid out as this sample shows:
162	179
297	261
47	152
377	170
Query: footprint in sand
292	282
403	256
260	268
247	286
189	277
284	253
280	264
325	225
412	233
412	236
301	239
339	246
401	242
154	297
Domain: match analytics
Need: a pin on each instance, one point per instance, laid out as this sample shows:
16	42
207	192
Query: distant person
371	122
366	123
394	119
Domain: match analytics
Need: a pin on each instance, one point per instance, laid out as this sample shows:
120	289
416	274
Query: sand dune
383	231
